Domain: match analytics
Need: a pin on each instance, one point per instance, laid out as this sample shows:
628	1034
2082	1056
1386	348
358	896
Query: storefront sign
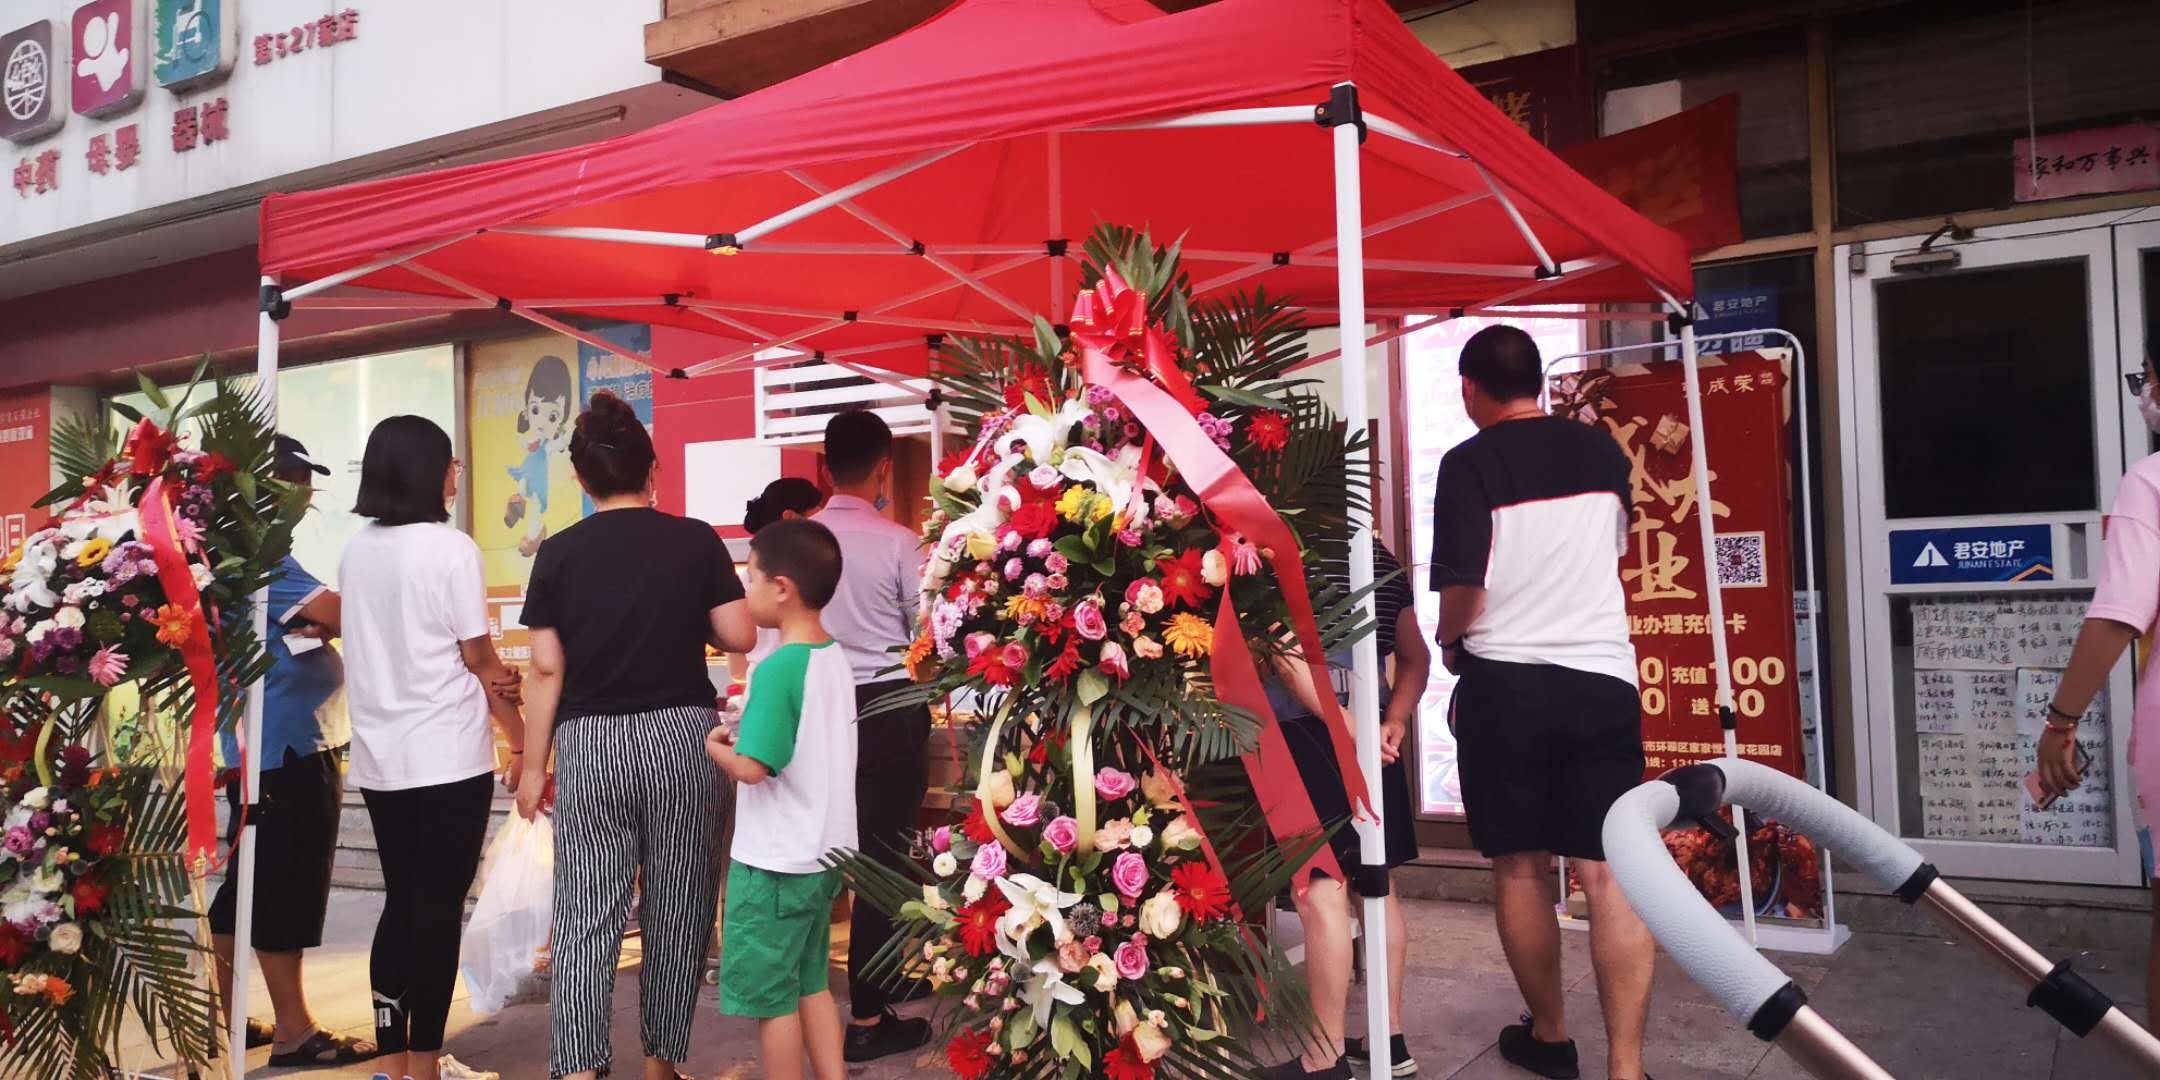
32	93
305	36
1546	93
1723	311
1991	553
1681	172
107	74
2092	162
196	42
25	461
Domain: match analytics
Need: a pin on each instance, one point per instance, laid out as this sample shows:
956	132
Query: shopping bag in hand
509	926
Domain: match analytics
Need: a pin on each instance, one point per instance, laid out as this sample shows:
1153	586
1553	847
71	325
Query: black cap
293	457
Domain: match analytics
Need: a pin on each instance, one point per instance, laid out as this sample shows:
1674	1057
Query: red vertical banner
25	461
1666	577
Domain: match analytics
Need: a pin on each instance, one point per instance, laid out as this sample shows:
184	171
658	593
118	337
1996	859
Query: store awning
927	183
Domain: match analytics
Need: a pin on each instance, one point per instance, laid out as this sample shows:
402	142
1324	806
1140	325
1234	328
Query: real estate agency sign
1664	572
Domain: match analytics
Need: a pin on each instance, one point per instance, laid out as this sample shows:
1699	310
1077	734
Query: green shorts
776	940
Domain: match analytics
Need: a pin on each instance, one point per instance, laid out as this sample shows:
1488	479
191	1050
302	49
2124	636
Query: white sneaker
451	1068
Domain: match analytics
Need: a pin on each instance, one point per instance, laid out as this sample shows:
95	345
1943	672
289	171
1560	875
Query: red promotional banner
1664	571
1681	172
1546	93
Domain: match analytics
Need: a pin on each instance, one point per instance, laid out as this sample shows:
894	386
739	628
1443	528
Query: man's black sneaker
1294	1069
1555	1061
892	1034
1398	1053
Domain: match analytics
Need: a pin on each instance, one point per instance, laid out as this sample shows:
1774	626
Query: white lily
110	514
1043	436
1118	478
28	587
1037	901
1047	986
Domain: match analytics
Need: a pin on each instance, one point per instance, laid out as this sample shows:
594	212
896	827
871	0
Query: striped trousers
637	802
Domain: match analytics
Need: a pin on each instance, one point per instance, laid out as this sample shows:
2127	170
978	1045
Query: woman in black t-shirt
621	606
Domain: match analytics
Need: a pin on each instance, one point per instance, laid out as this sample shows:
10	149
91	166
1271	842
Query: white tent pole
1515	216
839	195
1407	217
1054	181
1381	338
1365	657
1698	441
695	241
933	258
529	315
387	303
1270	114
242	864
385	262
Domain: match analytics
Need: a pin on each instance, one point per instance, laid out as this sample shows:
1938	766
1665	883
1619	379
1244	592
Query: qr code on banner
1740	558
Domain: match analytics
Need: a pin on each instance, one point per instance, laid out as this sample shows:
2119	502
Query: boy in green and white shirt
795	761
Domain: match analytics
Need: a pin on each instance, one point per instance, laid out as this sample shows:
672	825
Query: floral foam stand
1132	539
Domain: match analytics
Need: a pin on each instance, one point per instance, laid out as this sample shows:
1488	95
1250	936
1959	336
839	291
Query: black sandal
259	1033
341	1049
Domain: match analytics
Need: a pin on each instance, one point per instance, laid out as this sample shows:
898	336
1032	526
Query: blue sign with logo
1985	553
1723	311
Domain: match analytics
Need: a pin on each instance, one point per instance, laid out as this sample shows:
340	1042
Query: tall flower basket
136	590
1117	559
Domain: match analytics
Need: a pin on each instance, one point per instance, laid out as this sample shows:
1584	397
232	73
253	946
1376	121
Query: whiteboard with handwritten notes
1984	671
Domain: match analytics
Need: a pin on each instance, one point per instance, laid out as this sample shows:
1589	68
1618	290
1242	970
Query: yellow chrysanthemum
1073	505
94	551
1189	634
1098	508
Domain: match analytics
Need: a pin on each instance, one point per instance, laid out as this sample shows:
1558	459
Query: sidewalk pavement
1922	1006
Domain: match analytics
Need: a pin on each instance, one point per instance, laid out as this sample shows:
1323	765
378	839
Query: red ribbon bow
1103	328
178	580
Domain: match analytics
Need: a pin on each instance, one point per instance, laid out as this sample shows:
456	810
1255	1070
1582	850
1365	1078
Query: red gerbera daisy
212	466
1033	382
1181	579
978	923
951	461
1269	430
1067	662
969	1054
989	665
89	896
1201	891
976	825
106	839
1125	1063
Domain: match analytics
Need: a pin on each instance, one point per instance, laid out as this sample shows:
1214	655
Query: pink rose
978	641
1113	660
1145	595
1113	835
941	840
1132	962
1133	624
989	863
1129	537
1071	957
1056	563
1016	655
1088	620
1025	812
1058	582
1129	874
1063	833
1114	784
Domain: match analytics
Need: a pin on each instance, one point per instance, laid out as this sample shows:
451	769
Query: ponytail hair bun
789	494
611	449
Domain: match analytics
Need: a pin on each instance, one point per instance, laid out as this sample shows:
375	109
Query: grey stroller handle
1748	985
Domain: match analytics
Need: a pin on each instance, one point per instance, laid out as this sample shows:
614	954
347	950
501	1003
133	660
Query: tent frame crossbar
1344	252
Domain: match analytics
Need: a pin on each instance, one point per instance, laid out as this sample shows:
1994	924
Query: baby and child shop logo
96	62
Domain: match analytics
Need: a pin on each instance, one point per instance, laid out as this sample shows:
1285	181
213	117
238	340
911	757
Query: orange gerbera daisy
174	624
918	651
1191	635
58	991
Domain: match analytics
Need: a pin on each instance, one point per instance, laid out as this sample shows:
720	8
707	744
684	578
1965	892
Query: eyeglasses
2135	380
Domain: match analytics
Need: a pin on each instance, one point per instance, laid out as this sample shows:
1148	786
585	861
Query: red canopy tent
934	183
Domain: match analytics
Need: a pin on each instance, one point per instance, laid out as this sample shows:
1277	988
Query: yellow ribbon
983	805
1082	718
39	756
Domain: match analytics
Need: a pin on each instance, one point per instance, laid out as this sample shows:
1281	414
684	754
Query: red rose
1125	1063
1034	520
969	1054
106	839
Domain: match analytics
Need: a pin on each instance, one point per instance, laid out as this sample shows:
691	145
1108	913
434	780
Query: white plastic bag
509	926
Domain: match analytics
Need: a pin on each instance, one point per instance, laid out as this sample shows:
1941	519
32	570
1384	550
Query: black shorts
296	833
1544	751
1314	755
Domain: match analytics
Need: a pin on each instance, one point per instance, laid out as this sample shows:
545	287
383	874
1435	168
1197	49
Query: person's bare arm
323	615
1413	669
732	628
739	768
542	699
2100	643
1296	676
481	659
1460	606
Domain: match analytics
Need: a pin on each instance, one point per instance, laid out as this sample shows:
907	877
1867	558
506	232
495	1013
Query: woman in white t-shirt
418	667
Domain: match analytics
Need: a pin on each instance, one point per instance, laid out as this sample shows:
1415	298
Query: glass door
1987	419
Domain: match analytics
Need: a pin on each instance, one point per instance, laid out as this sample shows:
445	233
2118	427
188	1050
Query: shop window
1768	72
1931	98
1985	373
1434	422
330	408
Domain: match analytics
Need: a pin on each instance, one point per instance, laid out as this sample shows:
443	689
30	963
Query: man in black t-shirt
1530	518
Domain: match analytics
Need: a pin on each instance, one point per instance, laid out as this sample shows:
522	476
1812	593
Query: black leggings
429	840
